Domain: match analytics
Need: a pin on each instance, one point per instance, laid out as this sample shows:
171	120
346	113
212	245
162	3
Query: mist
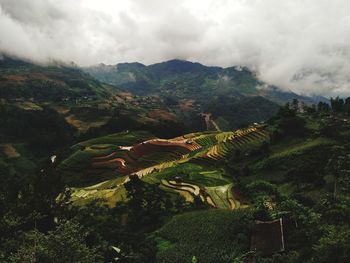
298	45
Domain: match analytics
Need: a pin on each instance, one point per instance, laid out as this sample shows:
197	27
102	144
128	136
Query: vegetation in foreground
301	174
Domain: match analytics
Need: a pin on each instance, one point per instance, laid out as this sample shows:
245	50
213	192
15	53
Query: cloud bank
302	45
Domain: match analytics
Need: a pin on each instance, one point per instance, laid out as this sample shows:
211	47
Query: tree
337	104
66	244
245	171
334	211
329	128
323	107
295	105
333	246
306	223
347	105
288	121
262	188
339	167
147	204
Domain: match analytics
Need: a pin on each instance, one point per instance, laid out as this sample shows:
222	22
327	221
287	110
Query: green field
121	139
210	235
162	166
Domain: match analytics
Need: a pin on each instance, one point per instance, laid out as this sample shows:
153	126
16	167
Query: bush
210	236
66	244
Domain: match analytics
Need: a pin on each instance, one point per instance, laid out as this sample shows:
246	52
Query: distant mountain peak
131	64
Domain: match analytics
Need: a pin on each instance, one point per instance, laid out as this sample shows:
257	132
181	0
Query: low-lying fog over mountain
293	44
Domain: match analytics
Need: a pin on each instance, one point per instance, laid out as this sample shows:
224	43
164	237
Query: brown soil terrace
131	160
120	161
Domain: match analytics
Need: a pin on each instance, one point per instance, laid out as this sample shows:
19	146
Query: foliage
210	236
44	130
147	204
67	243
333	246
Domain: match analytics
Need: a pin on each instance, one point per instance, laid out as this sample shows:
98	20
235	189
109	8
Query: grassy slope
198	168
203	167
24	161
77	166
200	233
209	235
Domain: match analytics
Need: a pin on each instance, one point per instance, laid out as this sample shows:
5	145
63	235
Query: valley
174	131
165	174
159	161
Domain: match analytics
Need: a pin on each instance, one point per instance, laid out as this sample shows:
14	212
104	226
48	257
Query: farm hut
268	237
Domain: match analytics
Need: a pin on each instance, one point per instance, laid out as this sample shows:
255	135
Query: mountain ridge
143	79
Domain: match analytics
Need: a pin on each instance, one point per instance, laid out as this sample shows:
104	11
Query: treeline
242	111
44	130
37	226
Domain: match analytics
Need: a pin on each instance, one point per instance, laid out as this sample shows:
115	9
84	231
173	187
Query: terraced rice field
192	189
110	191
223	197
159	161
217	196
143	157
229	141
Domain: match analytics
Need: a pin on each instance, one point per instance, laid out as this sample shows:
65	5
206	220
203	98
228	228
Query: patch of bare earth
39	76
186	105
62	109
27	105
15	77
83	126
161	115
10	151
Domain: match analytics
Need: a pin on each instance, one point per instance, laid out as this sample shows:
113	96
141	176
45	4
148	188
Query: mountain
47	106
233	96
92	172
25	80
184	79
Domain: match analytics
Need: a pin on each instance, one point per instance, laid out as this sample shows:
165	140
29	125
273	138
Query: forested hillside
196	197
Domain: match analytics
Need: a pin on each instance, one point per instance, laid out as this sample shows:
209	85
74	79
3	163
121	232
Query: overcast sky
302	45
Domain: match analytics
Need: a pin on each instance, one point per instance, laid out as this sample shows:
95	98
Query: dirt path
98	158
112	161
215	125
208	120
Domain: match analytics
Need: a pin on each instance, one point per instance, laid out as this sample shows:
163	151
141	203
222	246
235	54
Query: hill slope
53	105
182	79
192	87
185	165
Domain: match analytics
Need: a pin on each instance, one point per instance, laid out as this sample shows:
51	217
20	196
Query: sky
298	45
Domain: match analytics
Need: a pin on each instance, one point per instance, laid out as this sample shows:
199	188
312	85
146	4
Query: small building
268	237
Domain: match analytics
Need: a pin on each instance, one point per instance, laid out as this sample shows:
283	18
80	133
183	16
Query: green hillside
182	78
280	168
204	196
184	165
53	106
165	178
24	80
237	97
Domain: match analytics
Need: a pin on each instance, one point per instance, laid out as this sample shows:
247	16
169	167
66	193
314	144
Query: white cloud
301	45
